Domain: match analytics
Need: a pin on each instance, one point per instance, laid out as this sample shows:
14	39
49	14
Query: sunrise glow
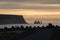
29	12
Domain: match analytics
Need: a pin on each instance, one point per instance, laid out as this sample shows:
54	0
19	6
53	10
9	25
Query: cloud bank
30	4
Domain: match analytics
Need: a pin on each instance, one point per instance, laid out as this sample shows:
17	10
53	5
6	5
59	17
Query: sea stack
12	19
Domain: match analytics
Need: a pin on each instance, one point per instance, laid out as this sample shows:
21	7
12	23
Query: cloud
35	1
17	5
29	4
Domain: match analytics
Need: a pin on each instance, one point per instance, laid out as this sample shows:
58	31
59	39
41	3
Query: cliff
12	19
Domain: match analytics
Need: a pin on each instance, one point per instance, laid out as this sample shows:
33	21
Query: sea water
24	25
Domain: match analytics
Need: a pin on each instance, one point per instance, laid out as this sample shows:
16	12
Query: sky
29	4
49	8
30	7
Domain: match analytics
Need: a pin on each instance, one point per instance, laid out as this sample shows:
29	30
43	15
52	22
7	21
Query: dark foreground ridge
50	32
12	19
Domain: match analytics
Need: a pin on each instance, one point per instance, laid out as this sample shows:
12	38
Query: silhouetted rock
50	25
12	19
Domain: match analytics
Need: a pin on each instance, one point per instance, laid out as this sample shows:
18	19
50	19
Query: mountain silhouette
12	19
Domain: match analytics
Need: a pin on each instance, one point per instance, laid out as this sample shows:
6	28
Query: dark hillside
12	19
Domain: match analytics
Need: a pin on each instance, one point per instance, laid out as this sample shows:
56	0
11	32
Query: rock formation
12	19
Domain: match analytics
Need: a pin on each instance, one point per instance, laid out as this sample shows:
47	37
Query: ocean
24	25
